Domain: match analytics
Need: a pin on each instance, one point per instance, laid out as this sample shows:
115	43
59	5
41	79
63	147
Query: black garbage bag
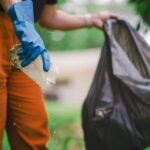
116	112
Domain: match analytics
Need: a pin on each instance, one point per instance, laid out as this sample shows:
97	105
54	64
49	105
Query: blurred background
77	54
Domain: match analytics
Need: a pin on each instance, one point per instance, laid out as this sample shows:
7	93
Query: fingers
104	15
101	17
45	58
113	15
27	53
21	52
31	58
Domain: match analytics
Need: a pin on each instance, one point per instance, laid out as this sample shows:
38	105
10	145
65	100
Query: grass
71	40
65	127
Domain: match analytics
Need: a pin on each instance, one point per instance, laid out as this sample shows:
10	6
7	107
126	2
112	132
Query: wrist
88	20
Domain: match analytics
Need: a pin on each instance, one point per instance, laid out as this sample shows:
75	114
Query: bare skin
6	4
52	18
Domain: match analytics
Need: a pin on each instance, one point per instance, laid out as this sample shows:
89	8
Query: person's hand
98	19
22	15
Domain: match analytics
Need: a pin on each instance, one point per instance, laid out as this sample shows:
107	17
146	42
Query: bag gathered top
116	112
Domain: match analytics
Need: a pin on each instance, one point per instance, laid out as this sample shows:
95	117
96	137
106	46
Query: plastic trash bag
116	112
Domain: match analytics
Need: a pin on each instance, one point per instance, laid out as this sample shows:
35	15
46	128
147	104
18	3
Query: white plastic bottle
35	69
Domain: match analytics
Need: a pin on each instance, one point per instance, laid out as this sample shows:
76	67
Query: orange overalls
22	109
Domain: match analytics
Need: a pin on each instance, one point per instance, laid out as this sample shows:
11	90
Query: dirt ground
76	73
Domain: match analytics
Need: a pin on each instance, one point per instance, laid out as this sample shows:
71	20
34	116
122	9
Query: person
22	107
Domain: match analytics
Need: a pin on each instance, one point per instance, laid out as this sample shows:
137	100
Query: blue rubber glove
22	15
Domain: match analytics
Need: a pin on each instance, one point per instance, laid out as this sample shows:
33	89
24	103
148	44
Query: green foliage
5	143
143	9
65	127
71	40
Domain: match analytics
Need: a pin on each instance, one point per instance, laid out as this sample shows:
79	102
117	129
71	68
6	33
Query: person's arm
6	4
52	18
22	16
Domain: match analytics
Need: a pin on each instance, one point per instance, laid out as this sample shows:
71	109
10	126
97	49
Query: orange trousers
22	110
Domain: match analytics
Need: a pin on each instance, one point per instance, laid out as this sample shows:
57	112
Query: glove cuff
22	11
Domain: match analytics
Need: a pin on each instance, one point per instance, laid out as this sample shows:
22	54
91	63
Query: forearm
6	4
52	18
63	21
